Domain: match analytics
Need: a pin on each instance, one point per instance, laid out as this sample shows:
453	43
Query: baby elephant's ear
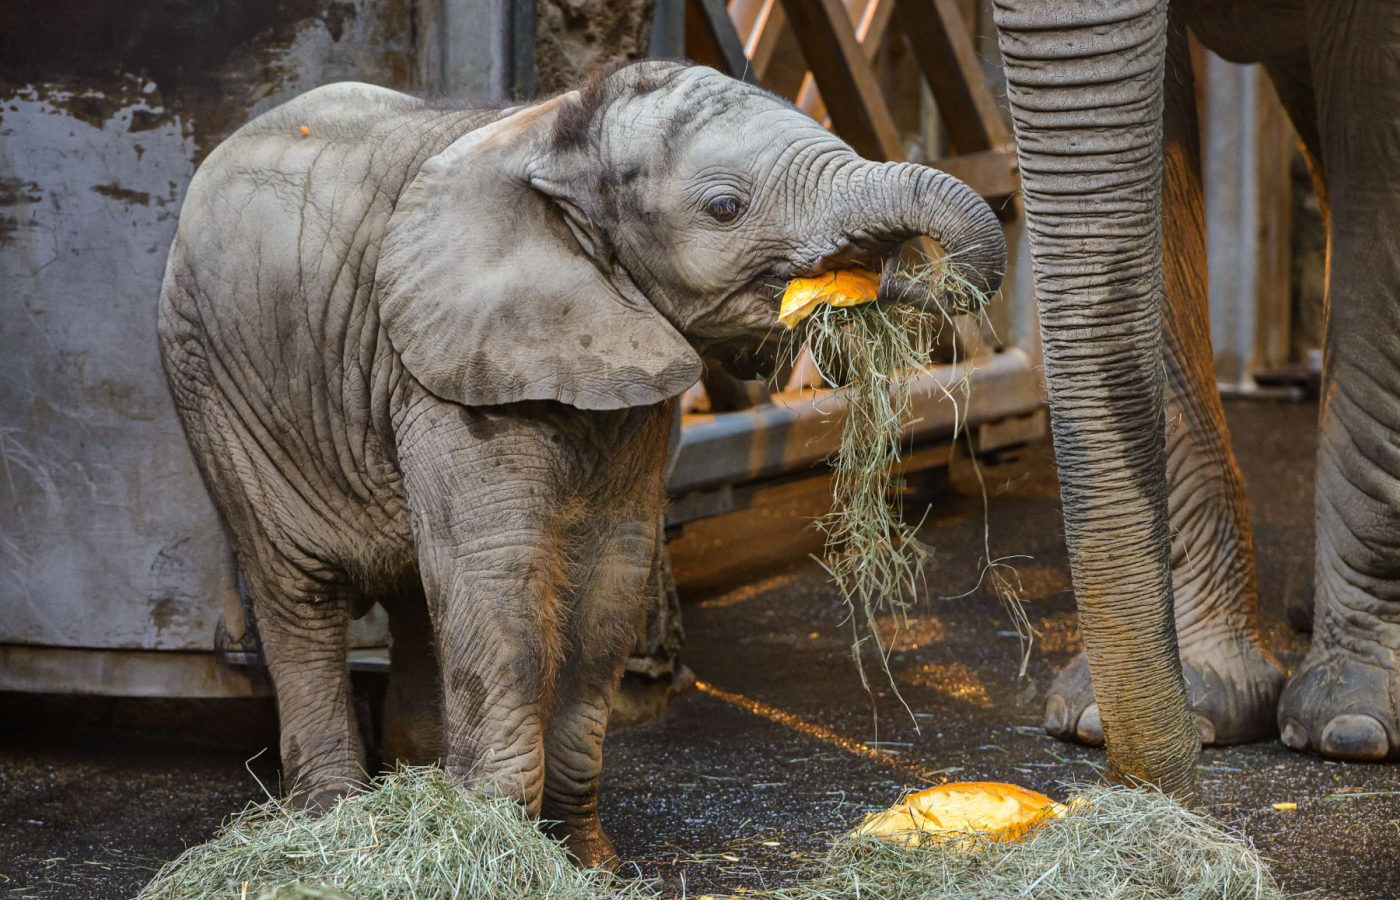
489	298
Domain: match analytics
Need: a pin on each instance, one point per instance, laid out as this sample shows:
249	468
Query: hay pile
419	835
1117	843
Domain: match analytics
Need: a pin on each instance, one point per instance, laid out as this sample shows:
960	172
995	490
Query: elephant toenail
1056	716
1090	728
1293	735
1354	736
1205	728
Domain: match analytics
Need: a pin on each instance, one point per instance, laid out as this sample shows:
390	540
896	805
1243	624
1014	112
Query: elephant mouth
881	257
884	257
899	283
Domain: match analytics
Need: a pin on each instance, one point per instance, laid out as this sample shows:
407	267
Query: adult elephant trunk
893	202
1085	85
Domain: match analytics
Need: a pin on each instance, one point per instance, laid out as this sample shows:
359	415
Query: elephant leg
305	640
487	494
1344	700
1232	682
413	702
601	632
497	607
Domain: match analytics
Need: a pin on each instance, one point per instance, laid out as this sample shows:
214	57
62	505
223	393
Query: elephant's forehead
720	118
699	98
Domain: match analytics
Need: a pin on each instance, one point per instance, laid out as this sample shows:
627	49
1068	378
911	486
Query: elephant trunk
900	201
1085	85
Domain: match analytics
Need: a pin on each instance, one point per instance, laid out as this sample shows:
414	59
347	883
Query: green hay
1123	844
874	352
418	836
422	835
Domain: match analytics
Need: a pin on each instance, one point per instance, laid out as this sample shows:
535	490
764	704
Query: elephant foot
1232	689
1071	714
1342	706
318	797
586	842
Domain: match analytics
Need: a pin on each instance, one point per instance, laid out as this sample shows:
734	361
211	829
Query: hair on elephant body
425	355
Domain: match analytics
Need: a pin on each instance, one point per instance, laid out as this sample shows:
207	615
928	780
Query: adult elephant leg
1232	682
413	702
1344	700
1085	84
600	633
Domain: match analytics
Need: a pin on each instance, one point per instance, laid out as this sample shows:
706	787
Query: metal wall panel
107	538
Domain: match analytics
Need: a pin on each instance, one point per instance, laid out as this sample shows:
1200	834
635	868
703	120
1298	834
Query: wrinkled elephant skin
1332	62
426	355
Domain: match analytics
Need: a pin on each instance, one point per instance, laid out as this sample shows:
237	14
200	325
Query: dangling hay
874	352
1112	842
417	835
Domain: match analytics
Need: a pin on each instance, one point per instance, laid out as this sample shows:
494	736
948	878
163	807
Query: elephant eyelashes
724	209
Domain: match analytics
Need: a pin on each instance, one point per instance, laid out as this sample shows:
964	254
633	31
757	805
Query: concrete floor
743	781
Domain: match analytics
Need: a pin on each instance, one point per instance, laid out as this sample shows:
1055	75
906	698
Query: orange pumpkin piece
843	287
1005	812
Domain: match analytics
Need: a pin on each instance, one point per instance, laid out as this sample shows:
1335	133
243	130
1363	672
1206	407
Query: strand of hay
418	835
874	352
1113	842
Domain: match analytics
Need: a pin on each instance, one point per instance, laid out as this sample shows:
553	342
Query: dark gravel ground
741	784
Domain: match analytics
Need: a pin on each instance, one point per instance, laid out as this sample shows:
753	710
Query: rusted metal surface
108	542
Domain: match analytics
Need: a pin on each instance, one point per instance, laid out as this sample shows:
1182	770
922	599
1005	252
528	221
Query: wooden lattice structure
839	41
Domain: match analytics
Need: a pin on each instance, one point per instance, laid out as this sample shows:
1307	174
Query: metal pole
522	49
668	30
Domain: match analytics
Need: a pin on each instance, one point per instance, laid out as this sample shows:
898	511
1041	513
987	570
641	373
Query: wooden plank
712	39
745	14
943	46
768	30
991	173
760	25
845	77
872	19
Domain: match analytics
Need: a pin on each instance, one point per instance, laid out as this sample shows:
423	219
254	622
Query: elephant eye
725	209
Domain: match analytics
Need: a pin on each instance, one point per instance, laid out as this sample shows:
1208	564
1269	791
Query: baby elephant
426	355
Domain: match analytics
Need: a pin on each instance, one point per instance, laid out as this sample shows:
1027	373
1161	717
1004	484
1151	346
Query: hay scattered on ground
1119	843
874	352
418	836
421	836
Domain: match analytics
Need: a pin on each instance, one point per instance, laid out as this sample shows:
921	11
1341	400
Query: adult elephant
426	355
1139	432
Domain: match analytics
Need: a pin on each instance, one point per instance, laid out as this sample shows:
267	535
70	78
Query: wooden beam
991	173
760	24
712	39
843	74
942	44
872	21
745	14
768	30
